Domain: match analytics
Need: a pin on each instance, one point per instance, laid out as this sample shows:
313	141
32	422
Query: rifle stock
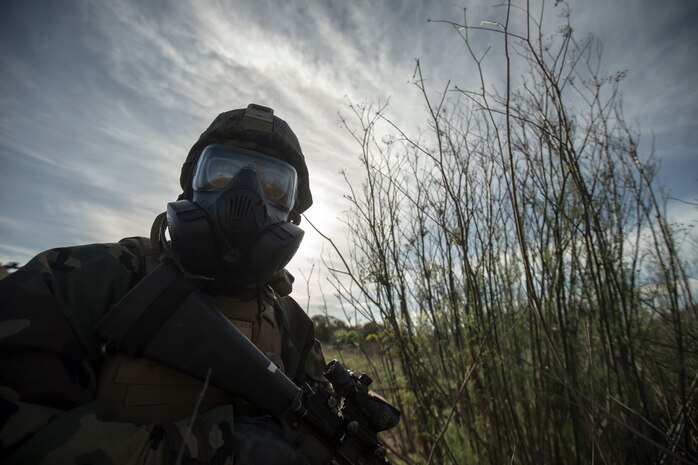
165	318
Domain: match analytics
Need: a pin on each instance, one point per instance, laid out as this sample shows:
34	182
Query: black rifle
165	318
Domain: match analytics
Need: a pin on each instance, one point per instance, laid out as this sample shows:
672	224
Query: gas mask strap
157	233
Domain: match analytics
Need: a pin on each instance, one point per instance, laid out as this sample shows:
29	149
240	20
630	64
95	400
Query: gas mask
236	229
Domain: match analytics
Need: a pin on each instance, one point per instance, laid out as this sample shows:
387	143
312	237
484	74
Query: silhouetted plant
534	303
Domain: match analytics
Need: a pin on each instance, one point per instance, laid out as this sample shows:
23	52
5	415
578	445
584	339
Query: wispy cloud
100	101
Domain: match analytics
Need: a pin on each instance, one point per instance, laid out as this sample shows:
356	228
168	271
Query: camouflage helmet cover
254	128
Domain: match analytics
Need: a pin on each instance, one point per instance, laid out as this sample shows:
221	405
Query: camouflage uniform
50	360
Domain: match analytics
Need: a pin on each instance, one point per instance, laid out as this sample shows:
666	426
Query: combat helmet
255	128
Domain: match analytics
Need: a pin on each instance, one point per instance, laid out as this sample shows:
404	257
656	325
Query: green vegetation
527	291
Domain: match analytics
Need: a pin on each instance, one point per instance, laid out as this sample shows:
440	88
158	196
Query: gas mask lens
219	164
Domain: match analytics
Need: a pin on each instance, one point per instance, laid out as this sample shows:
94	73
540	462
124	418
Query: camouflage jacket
50	358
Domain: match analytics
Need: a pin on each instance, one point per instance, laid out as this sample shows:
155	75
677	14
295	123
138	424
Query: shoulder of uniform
136	243
73	258
282	284
124	257
293	315
143	251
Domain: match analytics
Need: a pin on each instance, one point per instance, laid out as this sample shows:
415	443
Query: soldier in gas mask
68	397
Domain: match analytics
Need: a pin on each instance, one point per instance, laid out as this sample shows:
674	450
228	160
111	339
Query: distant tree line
336	332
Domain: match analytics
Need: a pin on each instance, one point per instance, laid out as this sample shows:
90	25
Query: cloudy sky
101	100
